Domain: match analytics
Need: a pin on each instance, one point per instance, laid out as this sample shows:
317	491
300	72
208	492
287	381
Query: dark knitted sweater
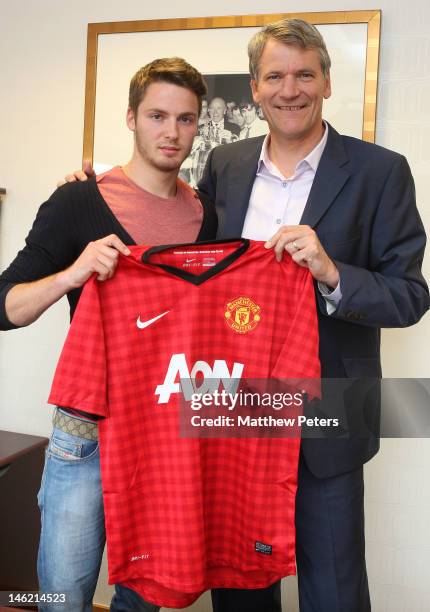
74	215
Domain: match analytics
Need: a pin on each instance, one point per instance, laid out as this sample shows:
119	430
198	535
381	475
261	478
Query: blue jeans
73	530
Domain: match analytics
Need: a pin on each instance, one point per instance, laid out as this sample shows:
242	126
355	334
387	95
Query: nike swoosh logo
190	260
142	324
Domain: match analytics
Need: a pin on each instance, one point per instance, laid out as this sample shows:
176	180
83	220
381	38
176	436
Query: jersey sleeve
298	359
80	379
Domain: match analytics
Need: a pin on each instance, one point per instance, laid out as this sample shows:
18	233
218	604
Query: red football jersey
187	514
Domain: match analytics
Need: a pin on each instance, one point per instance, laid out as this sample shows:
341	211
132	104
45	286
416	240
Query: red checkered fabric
185	515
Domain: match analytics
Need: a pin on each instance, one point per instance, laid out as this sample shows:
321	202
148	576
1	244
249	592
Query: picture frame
217	45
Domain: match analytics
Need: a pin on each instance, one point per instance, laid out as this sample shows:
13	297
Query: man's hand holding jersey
100	256
25	302
303	244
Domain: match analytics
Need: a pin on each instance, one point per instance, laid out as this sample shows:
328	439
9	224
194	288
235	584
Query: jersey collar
198	279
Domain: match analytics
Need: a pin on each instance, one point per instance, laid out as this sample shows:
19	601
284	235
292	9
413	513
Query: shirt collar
312	159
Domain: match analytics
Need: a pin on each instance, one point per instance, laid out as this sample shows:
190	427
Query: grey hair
289	32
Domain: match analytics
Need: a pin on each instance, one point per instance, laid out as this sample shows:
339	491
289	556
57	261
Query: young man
253	125
345	209
80	231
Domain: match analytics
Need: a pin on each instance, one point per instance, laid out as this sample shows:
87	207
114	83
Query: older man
218	124
346	210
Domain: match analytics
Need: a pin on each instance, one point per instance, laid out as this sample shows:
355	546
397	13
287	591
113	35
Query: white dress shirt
276	201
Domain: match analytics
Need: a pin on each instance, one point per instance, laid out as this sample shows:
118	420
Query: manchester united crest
242	315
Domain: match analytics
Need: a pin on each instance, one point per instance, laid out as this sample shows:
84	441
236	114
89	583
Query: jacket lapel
329	179
239	188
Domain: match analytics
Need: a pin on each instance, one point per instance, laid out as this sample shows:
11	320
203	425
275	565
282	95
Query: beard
153	156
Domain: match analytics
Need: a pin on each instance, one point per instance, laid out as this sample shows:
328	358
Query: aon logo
202	379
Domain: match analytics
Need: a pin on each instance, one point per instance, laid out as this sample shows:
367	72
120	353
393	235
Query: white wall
42	72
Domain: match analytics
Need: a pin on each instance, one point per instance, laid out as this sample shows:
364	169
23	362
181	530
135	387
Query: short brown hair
173	70
289	32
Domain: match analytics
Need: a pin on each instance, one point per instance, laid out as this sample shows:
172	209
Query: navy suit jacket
362	207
